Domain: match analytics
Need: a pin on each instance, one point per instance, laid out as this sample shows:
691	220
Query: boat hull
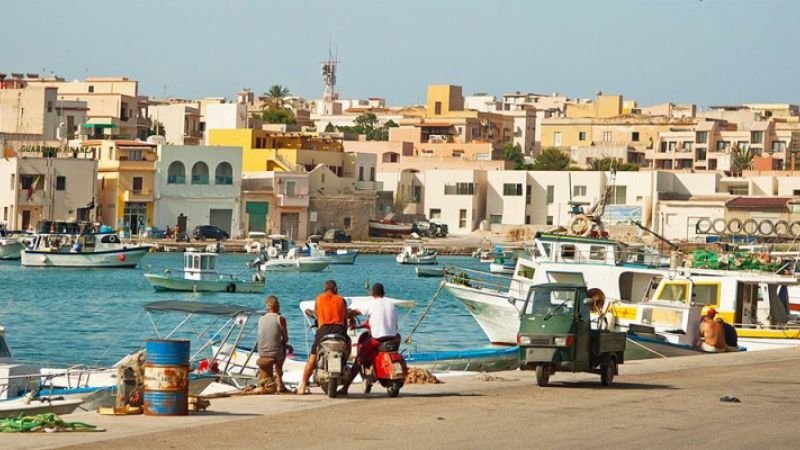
123	258
429	272
295	266
497	317
165	283
349	257
377	228
417	260
10	250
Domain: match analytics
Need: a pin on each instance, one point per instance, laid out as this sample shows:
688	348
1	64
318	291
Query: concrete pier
665	403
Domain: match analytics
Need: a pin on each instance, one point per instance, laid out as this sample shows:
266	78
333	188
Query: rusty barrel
166	378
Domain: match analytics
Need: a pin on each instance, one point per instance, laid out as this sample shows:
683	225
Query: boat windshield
552	302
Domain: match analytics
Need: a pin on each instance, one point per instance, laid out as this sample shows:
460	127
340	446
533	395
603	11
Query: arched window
224	174
200	173
176	174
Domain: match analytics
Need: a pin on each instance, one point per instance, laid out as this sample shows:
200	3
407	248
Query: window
49	106
200	173
459	189
672	145
12	182
437	107
568	251
597	252
528	191
137	185
548	220
290	187
360	173
606	136
705	294
25	181
435	213
176	173
527	220
676	292
347	221
581	135
551	193
134	155
224	174
371	174
757	137
743	145
796	192
495	219
61	183
778	146
557	139
462	218
618	195
723	146
687	146
635	136
702	137
512	189
578	191
91	89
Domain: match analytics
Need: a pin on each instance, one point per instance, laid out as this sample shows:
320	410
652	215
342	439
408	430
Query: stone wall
332	212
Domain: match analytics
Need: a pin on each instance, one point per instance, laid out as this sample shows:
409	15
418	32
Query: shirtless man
712	333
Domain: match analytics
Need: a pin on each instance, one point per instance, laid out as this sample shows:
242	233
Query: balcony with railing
138	195
293	199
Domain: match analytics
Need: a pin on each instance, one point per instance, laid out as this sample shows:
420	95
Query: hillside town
100	150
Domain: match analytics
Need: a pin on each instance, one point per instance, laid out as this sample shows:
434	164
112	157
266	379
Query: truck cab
555	334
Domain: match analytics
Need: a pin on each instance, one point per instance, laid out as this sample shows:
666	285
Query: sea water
94	317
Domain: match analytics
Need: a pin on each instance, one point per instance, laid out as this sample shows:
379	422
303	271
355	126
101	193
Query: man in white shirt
382	318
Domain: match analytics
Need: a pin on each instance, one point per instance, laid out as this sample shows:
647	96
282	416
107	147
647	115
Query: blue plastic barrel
166	378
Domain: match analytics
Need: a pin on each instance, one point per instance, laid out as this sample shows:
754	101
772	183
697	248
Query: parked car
203	232
336	236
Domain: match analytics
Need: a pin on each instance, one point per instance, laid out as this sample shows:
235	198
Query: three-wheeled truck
556	334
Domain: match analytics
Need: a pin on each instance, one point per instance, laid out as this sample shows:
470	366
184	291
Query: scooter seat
389	346
333	337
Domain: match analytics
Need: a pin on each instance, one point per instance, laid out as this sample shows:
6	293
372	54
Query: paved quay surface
667	403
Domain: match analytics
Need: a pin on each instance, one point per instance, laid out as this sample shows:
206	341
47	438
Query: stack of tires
749	227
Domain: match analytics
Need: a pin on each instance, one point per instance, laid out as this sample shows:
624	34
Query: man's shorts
329	329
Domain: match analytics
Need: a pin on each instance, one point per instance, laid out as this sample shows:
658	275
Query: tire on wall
734	226
750	226
703	226
718	226
794	229
781	228
765	227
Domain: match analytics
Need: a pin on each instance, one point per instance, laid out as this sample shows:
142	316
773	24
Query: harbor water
95	316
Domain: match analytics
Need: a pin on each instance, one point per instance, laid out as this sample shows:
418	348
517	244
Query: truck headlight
563	341
524	339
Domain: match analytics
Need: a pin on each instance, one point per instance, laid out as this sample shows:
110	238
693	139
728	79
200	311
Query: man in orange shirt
331	311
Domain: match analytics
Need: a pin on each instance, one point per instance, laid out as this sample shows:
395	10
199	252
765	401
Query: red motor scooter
388	367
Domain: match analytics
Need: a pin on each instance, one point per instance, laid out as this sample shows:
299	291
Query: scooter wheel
332	385
367	387
394	389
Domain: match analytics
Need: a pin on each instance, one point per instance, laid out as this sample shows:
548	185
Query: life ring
718	226
581	225
794	229
734	226
272	252
765	227
781	228
750	226
231	287
703	226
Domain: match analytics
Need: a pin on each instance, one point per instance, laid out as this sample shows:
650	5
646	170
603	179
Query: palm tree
741	159
275	95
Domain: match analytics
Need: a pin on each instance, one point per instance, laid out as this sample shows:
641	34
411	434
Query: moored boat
291	263
199	275
10	247
429	272
414	252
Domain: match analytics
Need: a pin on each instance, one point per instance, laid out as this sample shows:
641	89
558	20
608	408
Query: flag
32	188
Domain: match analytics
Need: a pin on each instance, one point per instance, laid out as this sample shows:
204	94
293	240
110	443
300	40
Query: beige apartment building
28	110
35	188
180	122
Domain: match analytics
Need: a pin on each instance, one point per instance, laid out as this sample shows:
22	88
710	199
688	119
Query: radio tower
329	78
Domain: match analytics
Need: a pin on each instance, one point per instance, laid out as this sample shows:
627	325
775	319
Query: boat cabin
195	264
577	249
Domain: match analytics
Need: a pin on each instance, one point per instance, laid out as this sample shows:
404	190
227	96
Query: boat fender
231	287
121	258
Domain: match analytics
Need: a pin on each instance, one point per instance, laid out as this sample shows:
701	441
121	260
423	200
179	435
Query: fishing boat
292	262
65	245
256	240
414	252
388	227
10	247
429	272
631	278
199	274
503	267
340	256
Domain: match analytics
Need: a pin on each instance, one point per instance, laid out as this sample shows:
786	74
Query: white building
456	198
203	183
225	116
181	122
33	188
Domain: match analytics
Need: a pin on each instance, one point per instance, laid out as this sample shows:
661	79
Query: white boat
256	241
389	227
291	263
199	274
10	247
102	249
340	256
504	268
414	252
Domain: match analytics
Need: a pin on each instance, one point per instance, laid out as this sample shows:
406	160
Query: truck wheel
332	387
542	375
607	372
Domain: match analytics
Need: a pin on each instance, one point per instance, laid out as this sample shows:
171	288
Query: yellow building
270	151
125	182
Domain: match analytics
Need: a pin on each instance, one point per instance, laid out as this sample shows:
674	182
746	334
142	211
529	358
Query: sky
707	52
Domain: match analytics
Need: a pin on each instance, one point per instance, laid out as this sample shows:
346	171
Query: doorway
290	222
135	217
